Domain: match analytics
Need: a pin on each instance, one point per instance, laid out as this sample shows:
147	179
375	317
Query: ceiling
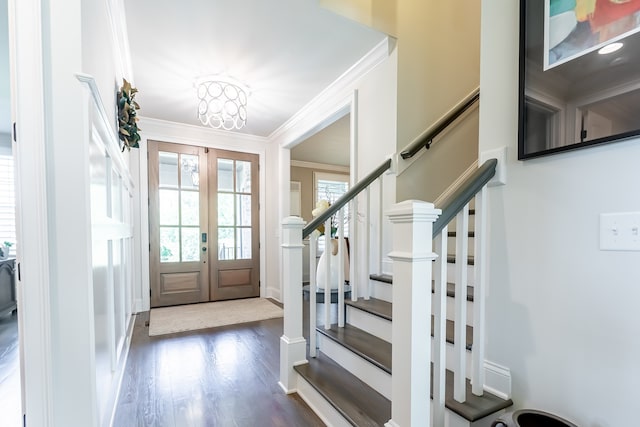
286	51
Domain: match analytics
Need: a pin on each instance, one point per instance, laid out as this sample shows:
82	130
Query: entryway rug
167	320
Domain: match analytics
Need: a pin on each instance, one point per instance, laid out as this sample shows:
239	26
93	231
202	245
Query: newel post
412	257
292	343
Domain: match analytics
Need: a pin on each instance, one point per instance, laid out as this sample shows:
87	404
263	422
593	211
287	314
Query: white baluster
341	255
353	247
313	288
327	281
439	327
460	322
380	223
480	272
367	244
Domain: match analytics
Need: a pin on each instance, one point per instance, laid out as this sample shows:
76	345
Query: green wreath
127	117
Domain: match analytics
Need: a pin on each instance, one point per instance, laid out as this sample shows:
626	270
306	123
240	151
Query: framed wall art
579	74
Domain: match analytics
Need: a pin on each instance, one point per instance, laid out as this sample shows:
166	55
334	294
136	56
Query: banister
463	195
425	139
346	198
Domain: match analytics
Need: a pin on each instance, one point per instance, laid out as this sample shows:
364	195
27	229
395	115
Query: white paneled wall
111	190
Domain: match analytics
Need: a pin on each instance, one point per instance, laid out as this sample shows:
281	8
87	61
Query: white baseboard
137	306
273	293
497	379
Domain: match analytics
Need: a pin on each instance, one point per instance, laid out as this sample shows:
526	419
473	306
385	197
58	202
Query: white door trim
27	80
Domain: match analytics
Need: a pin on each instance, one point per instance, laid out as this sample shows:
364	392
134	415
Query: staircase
370	360
353	369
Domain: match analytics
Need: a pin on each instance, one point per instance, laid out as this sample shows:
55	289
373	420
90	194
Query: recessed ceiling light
610	48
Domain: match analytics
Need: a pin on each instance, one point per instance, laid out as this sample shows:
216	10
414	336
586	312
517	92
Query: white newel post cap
413	211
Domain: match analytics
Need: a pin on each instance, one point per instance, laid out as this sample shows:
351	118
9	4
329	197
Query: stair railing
337	208
413	256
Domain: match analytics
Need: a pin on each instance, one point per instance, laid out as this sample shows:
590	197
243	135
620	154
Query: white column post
412	257
292	343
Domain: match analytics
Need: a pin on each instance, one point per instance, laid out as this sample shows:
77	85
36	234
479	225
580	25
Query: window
331	187
7	202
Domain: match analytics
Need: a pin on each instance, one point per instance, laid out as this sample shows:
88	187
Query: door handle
204	237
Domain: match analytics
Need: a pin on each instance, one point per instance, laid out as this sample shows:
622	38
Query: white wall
370	93
560	313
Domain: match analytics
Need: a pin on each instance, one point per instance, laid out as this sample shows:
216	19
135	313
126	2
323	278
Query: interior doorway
203	224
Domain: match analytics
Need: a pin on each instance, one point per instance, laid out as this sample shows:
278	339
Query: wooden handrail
463	195
428	135
346	198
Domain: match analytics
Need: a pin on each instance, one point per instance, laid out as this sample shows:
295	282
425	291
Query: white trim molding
320	166
497	380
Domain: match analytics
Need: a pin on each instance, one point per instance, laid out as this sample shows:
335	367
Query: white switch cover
620	231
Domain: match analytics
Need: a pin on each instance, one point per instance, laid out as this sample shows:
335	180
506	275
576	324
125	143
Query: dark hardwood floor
225	376
10	413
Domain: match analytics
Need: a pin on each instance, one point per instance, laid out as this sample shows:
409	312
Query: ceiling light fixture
222	102
610	48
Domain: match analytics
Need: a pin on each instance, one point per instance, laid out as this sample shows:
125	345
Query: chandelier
222	103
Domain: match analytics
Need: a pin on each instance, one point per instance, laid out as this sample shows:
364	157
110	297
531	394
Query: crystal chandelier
222	103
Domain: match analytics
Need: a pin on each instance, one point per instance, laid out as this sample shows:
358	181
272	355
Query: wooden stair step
385	278
363	406
369	347
475	407
451	290
375	306
451	259
453	234
451	334
358	403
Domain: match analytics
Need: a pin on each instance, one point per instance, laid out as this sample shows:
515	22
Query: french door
203	224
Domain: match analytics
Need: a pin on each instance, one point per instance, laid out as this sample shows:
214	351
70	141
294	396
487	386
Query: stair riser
381	290
451	245
370	374
327	413
450	356
370	323
451	309
451	274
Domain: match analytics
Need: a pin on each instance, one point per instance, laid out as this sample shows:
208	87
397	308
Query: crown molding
156	127
324	104
320	166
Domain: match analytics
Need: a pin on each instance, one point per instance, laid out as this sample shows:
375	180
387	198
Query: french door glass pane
190	172
243	213
190	208
243	177
169	244
225	175
226	243
225	209
243	243
169	207
168	169
190	244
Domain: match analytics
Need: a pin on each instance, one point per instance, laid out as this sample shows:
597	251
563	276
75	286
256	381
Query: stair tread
365	345
475	407
363	406
451	259
451	290
385	278
374	306
376	350
356	401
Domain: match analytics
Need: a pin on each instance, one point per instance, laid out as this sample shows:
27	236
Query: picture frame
572	96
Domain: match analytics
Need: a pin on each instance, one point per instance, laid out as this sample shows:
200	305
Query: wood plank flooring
225	376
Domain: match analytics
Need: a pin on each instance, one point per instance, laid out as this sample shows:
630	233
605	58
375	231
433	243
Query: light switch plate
620	231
